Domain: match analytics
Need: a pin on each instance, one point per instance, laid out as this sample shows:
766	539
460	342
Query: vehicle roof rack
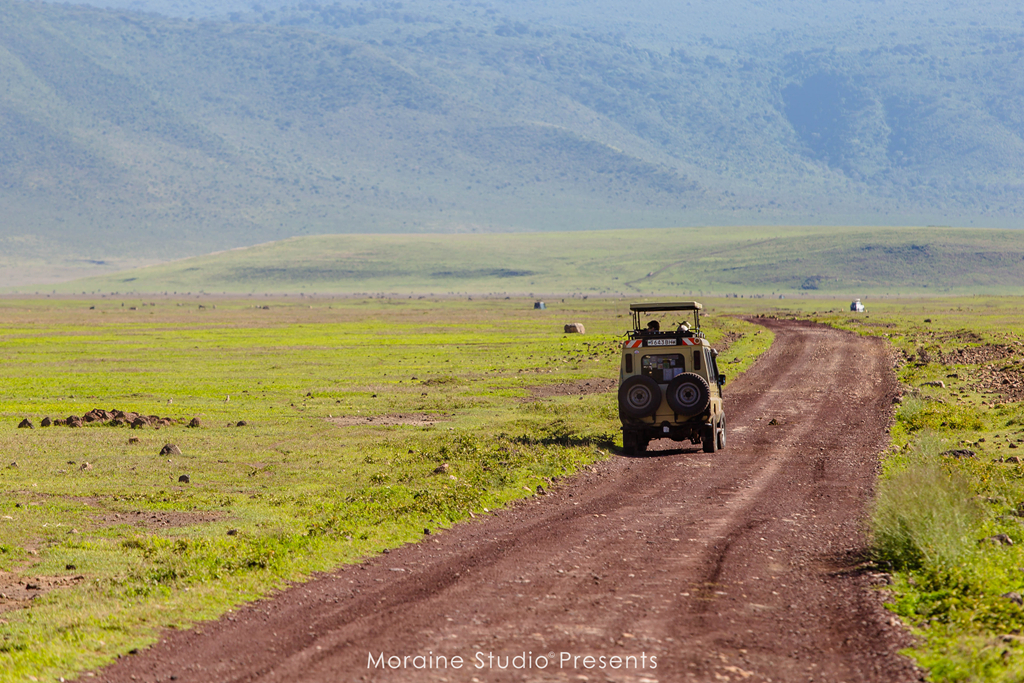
673	306
693	306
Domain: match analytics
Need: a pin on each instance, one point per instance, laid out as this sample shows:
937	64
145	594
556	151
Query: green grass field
352	407
751	261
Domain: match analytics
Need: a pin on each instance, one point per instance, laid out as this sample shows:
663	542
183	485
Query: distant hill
750	261
128	137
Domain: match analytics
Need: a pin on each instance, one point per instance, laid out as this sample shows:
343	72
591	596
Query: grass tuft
924	516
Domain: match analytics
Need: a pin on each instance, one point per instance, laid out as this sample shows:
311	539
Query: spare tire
688	394
639	396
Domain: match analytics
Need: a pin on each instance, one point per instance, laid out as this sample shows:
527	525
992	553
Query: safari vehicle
669	385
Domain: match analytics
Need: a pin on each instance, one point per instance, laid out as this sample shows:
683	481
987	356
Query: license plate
661	342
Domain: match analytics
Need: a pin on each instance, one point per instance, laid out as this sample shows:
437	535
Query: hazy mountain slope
660	24
264	132
138	136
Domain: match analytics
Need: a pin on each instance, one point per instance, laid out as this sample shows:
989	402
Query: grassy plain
352	409
808	261
311	481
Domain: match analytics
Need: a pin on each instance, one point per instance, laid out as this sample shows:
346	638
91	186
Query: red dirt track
734	566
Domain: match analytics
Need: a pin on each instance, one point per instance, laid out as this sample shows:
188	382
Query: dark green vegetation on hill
140	136
749	261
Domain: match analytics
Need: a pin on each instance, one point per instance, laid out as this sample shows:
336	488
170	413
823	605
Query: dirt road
736	566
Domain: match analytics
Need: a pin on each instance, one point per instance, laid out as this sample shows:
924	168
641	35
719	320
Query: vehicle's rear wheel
639	396
721	433
709	438
688	394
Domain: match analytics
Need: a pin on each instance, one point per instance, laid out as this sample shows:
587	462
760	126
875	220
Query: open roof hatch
639	309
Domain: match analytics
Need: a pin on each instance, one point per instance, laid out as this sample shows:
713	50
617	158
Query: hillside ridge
137	138
749	261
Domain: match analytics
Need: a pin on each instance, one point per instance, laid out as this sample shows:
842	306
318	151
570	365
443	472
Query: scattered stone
1014	597
195	422
574	328
26	424
426	532
936	383
1013	460
170	449
241	423
46	422
959	453
998	539
98	415
541	491
232	532
133	439
773	422
13	465
70	567
1013	445
441	469
881	579
85	466
113	418
184	479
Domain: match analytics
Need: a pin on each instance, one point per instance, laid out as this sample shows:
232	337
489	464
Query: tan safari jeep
669	385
